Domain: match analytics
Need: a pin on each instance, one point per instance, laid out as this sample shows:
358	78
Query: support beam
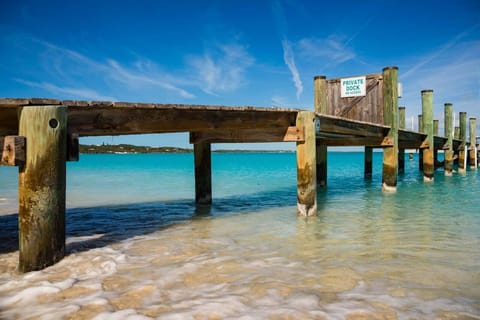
41	215
473	143
449	134
427	117
203	173
420	151
306	167
401	151
320	102
368	162
463	138
12	151
390	118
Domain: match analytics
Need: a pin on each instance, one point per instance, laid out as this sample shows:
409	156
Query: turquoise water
138	247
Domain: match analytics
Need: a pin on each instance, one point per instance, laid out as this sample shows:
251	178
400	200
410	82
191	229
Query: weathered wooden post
456	133
306	166
320	96
420	151
203	173
473	143
463	147
448	163
427	116
435	150
41	214
390	118
368	162
401	151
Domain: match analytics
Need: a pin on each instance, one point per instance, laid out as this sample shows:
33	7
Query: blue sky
260	53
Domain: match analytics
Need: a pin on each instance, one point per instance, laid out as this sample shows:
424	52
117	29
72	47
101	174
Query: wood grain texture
306	167
12	151
286	134
42	183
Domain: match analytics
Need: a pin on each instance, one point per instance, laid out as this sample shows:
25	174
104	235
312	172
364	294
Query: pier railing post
473	143
401	151
320	96
428	153
390	118
420	151
42	183
463	137
449	134
203	173
306	166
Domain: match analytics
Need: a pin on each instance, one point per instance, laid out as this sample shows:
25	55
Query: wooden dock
40	135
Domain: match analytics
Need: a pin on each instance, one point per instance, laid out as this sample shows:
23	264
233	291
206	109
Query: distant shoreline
132	149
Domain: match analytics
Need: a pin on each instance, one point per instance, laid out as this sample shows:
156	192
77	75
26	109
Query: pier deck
40	135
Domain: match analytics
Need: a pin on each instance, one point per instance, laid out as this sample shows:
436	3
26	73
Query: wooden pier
40	135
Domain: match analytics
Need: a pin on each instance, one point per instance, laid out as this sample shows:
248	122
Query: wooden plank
336	125
355	101
115	121
116	118
339	141
42	183
13	151
368	108
288	134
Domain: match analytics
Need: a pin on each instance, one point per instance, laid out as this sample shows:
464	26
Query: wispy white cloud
289	59
76	93
136	78
437	53
288	54
221	68
280	101
71	73
454	75
333	50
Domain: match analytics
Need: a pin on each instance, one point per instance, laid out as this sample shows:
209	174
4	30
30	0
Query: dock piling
462	153
307	166
473	144
401	151
42	183
390	118
427	119
420	151
320	102
436	163
203	173
368	162
448	164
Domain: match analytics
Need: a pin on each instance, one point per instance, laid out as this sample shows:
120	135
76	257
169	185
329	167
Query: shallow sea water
138	247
